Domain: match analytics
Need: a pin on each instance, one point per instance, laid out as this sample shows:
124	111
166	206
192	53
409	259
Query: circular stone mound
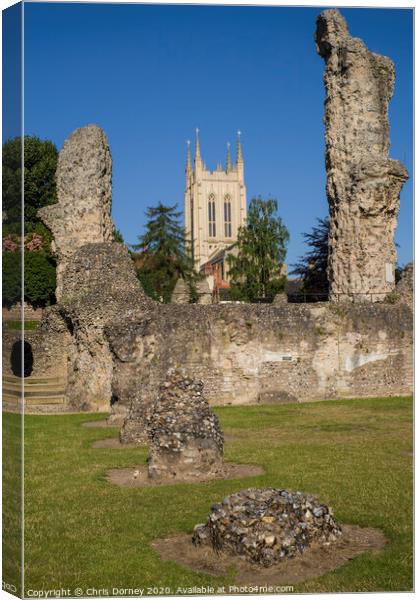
266	526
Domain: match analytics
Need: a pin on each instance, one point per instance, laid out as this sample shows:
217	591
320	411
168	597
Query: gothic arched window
212	216
228	216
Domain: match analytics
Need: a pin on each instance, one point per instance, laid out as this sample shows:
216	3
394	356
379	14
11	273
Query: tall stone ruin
100	287
363	183
96	279
82	214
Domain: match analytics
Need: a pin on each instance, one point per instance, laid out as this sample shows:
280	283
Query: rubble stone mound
266	526
185	435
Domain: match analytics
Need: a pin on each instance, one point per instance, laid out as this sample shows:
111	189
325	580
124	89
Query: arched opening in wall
16	359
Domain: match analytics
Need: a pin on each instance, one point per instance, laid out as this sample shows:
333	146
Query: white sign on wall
389	273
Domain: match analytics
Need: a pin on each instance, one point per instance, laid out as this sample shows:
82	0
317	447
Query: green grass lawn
81	531
17	325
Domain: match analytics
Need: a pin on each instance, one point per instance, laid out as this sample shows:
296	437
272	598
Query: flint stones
266	526
185	435
82	214
363	183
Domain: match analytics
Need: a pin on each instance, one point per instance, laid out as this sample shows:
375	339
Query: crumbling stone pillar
280	299
204	292
82	214
100	288
181	293
185	436
363	183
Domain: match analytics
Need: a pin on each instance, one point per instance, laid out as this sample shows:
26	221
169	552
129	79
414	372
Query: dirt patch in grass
137	476
315	561
101	423
113	443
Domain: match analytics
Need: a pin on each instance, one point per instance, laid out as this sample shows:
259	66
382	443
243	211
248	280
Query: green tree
312	266
39	284
255	271
39	272
39	177
40	190
163	255
118	236
11	277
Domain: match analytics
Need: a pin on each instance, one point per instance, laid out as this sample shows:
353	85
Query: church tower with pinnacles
214	204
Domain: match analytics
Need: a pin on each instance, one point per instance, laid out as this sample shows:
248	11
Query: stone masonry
119	344
363	183
185	436
82	214
250	354
99	287
267	526
405	285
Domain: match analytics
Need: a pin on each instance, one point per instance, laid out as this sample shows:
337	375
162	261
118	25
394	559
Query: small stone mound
185	435
266	526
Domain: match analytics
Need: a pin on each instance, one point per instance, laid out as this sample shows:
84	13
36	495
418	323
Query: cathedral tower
214	203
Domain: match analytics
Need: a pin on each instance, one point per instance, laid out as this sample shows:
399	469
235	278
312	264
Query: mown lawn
81	531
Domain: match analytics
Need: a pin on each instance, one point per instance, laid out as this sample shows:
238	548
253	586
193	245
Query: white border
291	3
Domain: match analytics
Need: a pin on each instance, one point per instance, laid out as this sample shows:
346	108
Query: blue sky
148	75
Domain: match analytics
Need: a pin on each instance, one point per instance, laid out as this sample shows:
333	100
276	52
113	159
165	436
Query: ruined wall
363	183
96	281
14	313
99	287
118	344
405	287
45	372
249	354
82	214
48	350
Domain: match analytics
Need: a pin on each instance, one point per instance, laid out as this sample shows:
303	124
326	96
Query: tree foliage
39	279
39	190
118	236
164	256
39	177
312	266
39	282
11	277
255	272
